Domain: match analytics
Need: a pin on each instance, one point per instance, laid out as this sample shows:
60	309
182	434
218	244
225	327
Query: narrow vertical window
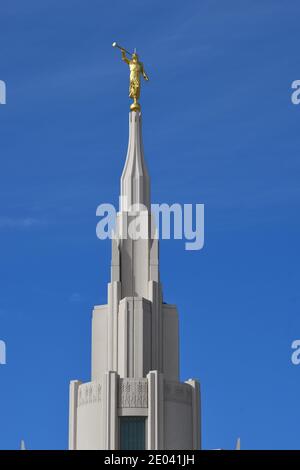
132	433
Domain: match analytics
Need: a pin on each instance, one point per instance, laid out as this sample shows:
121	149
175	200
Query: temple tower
135	399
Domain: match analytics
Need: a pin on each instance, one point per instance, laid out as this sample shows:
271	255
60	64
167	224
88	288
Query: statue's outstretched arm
124	57
144	74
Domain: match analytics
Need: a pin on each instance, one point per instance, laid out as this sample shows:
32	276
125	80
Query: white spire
135	183
22	445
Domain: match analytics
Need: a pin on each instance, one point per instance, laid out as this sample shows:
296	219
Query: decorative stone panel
133	393
89	392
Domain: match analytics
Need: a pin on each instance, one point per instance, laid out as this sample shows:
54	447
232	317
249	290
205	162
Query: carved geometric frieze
133	393
89	392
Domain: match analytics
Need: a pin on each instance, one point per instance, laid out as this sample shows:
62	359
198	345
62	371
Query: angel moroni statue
136	70
135	399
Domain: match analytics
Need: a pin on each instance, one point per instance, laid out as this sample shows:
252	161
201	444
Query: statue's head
135	57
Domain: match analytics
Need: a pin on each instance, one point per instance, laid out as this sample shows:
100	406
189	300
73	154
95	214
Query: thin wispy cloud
75	297
20	223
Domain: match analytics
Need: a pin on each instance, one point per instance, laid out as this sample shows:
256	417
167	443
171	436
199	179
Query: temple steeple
135	399
135	183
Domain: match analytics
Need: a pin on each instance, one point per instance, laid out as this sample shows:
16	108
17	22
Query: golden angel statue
136	70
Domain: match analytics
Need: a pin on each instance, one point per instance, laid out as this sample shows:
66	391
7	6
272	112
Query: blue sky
220	129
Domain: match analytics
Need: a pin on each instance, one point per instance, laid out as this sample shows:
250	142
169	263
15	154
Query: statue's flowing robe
135	84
